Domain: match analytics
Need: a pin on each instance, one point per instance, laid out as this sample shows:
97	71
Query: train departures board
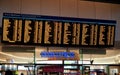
26	29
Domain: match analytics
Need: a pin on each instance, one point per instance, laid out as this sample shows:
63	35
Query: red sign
53	69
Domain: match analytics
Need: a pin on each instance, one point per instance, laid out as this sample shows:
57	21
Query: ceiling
25	56
106	1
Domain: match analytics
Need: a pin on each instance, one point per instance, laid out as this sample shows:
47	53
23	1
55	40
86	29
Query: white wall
116	16
67	8
50	7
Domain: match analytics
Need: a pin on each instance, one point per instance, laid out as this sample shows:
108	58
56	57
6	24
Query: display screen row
57	33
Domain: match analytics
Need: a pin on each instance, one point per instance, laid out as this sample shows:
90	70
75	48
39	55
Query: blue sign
58	54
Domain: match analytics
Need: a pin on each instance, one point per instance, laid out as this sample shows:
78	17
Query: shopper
22	74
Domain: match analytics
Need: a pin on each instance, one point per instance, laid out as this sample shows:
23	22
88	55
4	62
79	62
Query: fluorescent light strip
14	56
108	57
2	60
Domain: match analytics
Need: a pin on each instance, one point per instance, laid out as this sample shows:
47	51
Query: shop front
34	64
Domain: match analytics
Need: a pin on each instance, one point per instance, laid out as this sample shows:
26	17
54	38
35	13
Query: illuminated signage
53	69
58	54
57	31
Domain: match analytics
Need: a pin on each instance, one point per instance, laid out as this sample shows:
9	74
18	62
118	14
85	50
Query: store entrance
72	69
57	70
50	70
62	67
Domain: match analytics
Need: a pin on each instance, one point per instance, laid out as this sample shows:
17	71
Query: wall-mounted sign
53	69
58	54
57	31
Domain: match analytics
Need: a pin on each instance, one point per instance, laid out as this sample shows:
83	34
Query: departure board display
40	30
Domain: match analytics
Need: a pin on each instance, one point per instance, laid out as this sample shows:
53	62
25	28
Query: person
22	74
8	72
115	73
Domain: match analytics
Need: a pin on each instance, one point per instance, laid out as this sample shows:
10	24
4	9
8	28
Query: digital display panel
57	31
